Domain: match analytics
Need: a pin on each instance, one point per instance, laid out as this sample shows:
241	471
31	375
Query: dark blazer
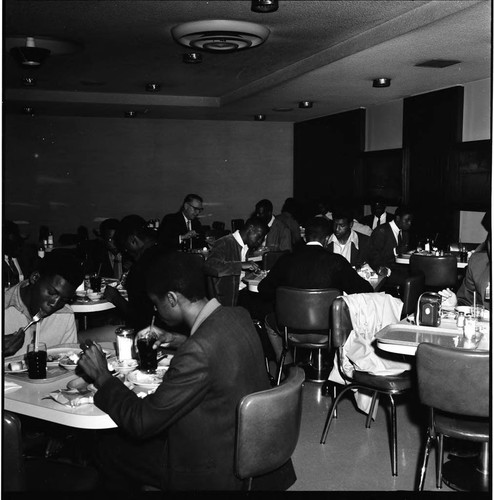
223	267
381	247
312	267
98	255
358	256
173	225
477	277
369	219
193	411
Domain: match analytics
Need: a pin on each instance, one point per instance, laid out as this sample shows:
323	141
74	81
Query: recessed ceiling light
264	6
130	114
305	104
153	87
437	63
259	117
381	82
192	58
27	110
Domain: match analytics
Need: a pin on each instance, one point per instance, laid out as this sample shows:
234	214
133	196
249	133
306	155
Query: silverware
36	318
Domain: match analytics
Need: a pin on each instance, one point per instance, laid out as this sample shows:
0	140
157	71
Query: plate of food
69	360
15	366
56	353
147	380
124	366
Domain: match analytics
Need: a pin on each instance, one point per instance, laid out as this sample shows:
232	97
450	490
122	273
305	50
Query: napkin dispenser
428	311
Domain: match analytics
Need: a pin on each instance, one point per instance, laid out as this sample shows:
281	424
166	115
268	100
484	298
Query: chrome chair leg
280	367
335	394
425	460
439	461
394	431
329	418
371	412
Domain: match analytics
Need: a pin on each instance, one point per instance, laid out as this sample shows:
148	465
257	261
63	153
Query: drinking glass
36	360
145	340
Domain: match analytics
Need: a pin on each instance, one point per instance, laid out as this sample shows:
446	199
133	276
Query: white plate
58	352
7	369
147	380
66	365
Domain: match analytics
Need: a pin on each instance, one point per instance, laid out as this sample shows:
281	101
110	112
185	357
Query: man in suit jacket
311	266
104	256
388	241
182	436
279	236
227	261
183	230
347	242
378	215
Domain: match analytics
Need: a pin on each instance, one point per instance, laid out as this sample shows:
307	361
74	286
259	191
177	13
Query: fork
36	318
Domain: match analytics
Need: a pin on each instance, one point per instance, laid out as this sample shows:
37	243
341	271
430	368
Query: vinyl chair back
38	474
377	384
269	259
439	271
454	384
413	287
305	316
268	427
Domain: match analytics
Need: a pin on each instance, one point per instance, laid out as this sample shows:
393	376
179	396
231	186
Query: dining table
29	397
404	338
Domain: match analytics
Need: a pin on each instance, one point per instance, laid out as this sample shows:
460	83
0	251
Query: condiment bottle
469	327
460	321
125	342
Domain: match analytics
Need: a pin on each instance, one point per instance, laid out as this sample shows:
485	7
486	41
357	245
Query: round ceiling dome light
381	82
220	35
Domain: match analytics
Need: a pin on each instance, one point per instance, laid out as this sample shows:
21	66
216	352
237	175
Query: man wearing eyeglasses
183	230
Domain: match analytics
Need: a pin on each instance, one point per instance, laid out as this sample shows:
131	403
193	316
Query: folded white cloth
10	386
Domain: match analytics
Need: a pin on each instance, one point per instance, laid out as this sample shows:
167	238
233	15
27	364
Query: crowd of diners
186	280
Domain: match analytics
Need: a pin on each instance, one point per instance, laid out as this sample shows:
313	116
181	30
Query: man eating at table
182	436
47	291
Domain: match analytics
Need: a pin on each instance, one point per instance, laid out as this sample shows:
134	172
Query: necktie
189	228
400	239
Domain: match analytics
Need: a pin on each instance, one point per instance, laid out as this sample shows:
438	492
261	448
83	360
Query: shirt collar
270	223
238	238
353	238
205	312
394	228
313	243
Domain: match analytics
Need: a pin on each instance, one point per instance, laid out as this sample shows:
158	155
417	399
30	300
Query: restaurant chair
20	473
440	271
237	224
389	385
268	427
269	259
454	384
218	229
413	288
304	315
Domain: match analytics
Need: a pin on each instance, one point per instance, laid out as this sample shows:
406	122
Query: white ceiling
324	51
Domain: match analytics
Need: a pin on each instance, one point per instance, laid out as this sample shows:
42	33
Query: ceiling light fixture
264	6
28	110
29	55
153	87
220	35
381	82
192	58
305	104
259	117
130	114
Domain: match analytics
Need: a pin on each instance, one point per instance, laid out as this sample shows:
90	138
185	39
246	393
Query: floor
355	458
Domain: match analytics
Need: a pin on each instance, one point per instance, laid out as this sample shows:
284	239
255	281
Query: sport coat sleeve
183	388
224	258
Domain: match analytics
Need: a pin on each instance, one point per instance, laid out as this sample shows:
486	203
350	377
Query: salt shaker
125	342
460	321
469	327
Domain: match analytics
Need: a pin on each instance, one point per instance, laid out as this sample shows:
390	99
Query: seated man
476	280
182	436
378	215
388	241
48	290
347	242
137	240
279	236
324	211
227	261
104	257
312	266
183	230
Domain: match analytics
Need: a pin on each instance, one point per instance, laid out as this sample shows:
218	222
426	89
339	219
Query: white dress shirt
345	249
243	256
